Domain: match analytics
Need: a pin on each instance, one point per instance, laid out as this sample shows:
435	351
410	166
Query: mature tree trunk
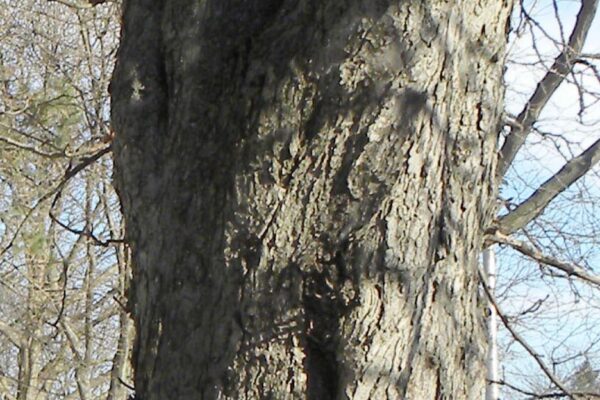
305	186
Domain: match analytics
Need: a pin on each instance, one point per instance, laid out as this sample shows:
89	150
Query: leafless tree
64	268
549	222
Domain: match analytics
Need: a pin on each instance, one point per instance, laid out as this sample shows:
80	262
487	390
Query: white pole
489	265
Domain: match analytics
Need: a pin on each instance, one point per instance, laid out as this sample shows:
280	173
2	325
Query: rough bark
305	186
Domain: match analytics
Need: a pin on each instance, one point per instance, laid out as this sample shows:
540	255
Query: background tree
548	287
62	334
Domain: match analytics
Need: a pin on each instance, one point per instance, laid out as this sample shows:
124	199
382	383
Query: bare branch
32	149
547	86
84	162
76	5
593	56
567	268
127	385
552	395
528	210
86	233
553	378
11	333
69	173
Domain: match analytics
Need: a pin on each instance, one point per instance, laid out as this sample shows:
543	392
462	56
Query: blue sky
568	319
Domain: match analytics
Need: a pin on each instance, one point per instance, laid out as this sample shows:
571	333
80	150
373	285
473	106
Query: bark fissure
321	335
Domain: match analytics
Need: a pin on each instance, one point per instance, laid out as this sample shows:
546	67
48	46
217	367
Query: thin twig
86	233
553	378
559	70
533	206
75	5
32	149
553	395
69	174
525	249
127	385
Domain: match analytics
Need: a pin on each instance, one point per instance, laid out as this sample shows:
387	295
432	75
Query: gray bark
305	186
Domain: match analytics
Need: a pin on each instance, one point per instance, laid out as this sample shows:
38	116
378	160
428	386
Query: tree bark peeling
306	185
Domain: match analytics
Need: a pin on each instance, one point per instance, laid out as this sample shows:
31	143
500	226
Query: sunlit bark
306	185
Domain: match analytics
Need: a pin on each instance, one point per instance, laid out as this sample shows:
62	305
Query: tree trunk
305	186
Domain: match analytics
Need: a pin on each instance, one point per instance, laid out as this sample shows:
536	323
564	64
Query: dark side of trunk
305	186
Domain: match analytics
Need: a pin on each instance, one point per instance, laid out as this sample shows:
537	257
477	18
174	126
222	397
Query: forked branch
567	268
553	378
531	208
551	395
561	67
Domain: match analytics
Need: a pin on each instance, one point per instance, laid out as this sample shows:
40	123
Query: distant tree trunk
120	371
305	186
29	368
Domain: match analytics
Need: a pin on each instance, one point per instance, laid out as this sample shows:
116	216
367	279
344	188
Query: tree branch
32	149
546	87
69	173
553	378
86	233
529	209
84	162
567	268
552	395
76	4
11	333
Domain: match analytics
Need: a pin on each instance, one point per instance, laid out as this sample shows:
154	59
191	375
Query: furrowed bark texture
305	186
